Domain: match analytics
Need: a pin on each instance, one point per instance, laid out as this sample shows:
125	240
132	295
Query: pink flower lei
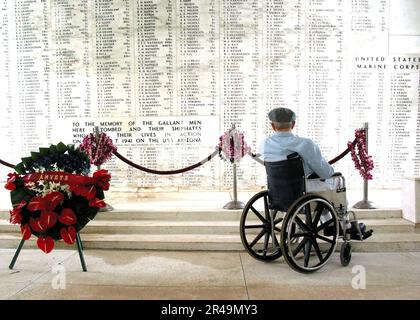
233	146
362	161
99	152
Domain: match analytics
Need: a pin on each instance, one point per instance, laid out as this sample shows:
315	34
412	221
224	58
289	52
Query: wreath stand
235	204
79	248
365	203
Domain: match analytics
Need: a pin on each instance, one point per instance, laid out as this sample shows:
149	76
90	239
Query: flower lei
52	203
233	146
362	161
98	152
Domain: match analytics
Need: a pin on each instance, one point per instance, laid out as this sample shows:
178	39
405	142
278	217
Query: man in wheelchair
320	176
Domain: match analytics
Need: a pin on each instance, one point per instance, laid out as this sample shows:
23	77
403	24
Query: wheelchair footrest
368	234
357	231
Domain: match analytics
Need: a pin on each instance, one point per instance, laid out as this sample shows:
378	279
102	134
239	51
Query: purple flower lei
99	152
233	146
362	161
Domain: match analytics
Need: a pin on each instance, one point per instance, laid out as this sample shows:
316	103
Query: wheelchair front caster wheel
345	253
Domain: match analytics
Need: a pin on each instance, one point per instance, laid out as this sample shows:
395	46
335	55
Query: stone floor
202	275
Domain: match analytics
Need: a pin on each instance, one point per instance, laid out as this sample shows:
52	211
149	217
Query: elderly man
283	143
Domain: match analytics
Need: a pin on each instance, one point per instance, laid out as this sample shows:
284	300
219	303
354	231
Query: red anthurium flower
68	234
37	225
67	217
101	173
37	203
46	244
49	218
102	178
97	203
26	231
75	188
12	178
15	216
53	199
10	186
89	192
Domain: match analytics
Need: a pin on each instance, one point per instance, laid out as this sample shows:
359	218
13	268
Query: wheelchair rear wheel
260	228
309	233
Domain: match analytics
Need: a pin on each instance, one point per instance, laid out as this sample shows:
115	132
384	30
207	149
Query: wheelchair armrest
313	175
293	155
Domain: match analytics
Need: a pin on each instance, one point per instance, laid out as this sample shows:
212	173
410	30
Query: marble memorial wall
166	78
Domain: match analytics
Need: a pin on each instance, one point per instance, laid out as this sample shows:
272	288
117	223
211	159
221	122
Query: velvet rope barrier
166	172
255	157
196	165
161	172
343	154
7	164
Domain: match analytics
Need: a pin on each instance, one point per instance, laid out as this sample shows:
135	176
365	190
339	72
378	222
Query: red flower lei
362	161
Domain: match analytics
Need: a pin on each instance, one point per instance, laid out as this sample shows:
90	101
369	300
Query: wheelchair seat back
286	182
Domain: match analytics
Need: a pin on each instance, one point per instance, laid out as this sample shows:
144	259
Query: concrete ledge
410	199
380	242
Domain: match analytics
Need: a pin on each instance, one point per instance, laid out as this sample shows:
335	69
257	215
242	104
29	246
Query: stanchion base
107	208
365	205
234	205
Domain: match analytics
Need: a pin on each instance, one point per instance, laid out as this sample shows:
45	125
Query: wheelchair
302	227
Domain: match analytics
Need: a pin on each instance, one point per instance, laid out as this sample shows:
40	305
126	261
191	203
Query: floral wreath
232	146
52	195
362	161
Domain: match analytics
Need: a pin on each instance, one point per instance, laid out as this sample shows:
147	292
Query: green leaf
70	147
27	161
53	149
44	151
35	155
100	194
61	147
20	168
17	195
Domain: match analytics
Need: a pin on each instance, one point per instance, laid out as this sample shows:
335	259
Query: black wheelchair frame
303	227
